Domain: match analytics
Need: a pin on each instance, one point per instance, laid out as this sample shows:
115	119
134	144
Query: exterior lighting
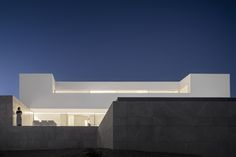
116	91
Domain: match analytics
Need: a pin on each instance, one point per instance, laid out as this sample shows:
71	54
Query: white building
81	103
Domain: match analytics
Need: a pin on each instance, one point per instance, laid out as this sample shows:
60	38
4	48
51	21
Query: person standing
18	117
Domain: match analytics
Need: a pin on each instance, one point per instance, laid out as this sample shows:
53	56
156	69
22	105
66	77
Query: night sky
116	40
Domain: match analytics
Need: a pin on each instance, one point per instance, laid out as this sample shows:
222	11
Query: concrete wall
105	130
6	111
29	137
203	126
44	137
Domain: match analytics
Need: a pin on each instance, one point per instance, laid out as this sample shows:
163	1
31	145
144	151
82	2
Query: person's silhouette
18	117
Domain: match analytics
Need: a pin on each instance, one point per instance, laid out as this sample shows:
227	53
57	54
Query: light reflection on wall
120	91
67	119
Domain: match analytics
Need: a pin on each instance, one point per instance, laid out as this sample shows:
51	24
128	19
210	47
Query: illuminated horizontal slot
165	91
27	113
120	91
56	113
117	91
71	91
74	113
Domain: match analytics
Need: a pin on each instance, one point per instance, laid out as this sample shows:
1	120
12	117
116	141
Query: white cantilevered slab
42	91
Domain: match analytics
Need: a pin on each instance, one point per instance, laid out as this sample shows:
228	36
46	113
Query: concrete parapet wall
105	130
6	112
36	137
23	138
202	126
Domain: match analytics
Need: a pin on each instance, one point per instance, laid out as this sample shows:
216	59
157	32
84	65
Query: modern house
195	115
85	103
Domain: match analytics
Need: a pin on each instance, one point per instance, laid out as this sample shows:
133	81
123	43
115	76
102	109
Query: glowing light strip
116	91
27	113
74	113
56	113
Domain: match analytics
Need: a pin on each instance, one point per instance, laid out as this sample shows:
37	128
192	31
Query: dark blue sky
116	40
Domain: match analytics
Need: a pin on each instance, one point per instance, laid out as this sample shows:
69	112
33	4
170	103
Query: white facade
42	91
43	94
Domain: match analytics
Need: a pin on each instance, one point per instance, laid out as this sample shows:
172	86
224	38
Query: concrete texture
28	138
105	130
6	112
201	126
35	137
